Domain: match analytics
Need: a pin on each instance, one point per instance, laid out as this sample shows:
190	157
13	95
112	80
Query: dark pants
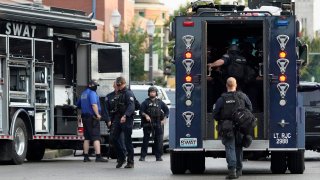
121	140
234	151
157	132
91	127
126	128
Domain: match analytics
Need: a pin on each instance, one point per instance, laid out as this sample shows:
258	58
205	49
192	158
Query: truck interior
248	35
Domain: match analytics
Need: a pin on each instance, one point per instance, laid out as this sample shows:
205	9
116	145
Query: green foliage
313	68
136	37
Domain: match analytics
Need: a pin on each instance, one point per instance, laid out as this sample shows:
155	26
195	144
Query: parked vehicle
310	92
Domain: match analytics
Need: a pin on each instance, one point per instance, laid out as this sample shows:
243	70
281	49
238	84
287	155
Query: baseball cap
94	82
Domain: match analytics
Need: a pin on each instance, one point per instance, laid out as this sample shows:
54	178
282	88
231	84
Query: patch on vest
230	101
131	99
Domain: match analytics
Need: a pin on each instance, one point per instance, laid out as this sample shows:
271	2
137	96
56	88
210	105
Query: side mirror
304	54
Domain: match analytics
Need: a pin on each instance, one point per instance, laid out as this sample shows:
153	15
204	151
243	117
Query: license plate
188	142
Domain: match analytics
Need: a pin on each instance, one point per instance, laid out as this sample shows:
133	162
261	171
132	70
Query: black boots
129	165
232	174
86	158
120	163
100	159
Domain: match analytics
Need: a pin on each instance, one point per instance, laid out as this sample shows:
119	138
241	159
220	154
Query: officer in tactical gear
153	113
123	122
90	115
110	110
234	63
223	112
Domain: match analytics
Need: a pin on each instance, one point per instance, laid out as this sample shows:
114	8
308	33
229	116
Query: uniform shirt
108	100
162	105
227	58
217	107
88	98
128	101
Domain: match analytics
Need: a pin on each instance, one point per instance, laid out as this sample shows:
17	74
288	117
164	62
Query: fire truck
46	61
280	131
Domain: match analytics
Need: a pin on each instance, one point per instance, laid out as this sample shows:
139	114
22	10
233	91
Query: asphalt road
73	168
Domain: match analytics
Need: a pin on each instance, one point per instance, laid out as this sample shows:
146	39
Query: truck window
110	60
20	47
3	45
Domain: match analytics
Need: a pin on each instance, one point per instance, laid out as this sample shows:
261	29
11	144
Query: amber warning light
282	54
282	78
188	78
188	55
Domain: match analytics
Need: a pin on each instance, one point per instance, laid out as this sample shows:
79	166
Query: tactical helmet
152	88
234	47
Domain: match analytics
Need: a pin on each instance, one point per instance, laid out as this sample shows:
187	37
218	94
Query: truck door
281	80
189	109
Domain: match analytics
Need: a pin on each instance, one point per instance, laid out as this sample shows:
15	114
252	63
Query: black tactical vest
231	101
154	109
237	66
119	103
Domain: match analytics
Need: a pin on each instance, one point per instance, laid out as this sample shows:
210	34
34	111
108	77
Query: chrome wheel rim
19	140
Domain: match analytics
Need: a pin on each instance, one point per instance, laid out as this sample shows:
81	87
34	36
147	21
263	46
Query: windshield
141	94
172	97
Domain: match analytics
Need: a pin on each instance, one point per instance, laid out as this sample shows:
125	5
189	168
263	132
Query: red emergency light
188	23
80	131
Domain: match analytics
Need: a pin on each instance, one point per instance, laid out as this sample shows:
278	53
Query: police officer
89	104
235	64
123	122
223	111
110	101
153	112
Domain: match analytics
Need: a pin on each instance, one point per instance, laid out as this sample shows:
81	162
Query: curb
51	154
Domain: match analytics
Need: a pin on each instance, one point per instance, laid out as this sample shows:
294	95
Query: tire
178	162
35	151
19	143
278	162
296	162
196	163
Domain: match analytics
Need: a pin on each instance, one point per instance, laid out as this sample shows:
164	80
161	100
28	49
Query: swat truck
46	61
280	116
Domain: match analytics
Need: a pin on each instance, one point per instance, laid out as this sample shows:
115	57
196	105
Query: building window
141	13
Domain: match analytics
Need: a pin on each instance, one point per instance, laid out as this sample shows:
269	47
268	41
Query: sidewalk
55	153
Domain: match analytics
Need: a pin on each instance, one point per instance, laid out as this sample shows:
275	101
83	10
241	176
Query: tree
312	70
136	37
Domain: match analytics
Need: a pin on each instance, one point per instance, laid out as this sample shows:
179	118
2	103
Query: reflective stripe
59	137
6	137
255	131
215	134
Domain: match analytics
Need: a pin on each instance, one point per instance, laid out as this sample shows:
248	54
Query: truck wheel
35	151
196	163
296	162
19	143
178	162
278	162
